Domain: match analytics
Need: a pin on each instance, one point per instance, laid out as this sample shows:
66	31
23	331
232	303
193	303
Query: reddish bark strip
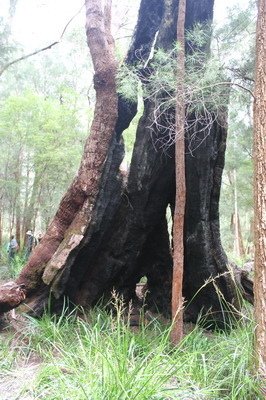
74	213
180	201
260	189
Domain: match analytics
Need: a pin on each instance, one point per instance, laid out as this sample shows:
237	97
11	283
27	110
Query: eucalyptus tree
260	189
110	229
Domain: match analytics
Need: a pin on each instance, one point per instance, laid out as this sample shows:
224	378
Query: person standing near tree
12	248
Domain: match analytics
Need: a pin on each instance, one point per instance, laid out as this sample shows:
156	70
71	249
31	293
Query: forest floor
15	381
13	384
98	356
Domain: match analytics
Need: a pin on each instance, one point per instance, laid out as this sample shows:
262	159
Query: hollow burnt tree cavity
108	233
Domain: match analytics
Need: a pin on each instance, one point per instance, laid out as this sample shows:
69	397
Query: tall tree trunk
1	223
26	201
180	198
259	148
238	240
30	210
18	222
17	176
12	211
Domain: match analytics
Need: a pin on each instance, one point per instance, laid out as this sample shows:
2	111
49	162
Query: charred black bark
204	255
142	207
149	20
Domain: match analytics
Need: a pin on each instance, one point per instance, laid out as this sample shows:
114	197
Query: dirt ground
15	384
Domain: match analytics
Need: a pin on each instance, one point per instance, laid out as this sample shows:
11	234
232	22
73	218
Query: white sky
40	22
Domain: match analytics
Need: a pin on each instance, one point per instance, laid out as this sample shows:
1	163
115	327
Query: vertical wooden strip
180	200
259	148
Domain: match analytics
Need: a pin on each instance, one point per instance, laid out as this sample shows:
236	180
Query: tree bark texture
108	232
180	197
204	255
259	149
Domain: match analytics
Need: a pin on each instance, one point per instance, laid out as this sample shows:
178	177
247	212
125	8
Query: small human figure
12	248
30	243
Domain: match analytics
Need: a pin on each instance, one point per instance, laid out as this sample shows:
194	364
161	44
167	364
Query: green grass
10	269
98	357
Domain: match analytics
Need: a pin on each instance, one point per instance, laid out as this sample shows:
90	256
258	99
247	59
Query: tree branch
230	84
5	67
240	74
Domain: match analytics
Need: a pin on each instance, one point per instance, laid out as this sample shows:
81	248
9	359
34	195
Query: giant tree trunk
107	233
260	189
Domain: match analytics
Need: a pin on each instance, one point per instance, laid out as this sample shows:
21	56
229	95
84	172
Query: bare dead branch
24	57
240	74
232	84
27	56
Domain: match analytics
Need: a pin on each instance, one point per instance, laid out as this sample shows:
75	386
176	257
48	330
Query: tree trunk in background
18	222
240	237
235	226
260	189
17	176
108	233
1	227
250	242
236	220
26	202
180	197
32	204
12	210
238	240
29	214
